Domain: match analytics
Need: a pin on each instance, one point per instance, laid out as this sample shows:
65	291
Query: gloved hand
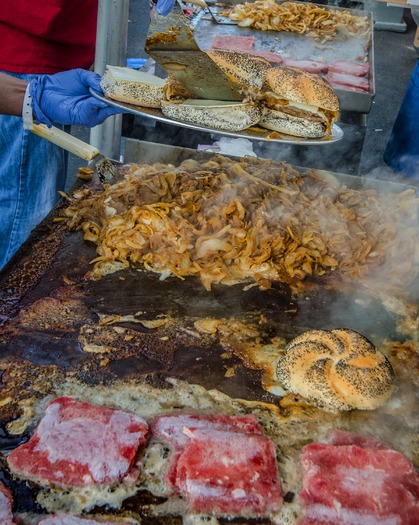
165	6
64	98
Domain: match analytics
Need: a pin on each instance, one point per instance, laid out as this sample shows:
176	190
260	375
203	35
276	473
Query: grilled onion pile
252	220
304	18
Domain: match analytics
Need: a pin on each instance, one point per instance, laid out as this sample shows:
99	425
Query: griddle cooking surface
50	311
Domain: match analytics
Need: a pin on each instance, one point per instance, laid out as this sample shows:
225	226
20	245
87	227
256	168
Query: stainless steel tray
251	133
293	45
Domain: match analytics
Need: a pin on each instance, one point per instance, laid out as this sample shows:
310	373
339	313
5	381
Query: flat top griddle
51	314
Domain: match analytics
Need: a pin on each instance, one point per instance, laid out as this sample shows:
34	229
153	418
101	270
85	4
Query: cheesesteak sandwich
141	89
217	114
298	103
247	71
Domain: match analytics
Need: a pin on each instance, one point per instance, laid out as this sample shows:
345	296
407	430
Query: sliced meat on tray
221	464
351	485
347	67
243	44
311	66
77	444
233	43
229	473
348	82
66	519
6	502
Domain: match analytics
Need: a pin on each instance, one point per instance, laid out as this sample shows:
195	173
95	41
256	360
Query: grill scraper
106	168
170	42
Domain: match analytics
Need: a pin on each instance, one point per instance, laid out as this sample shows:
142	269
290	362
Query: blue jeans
402	150
32	171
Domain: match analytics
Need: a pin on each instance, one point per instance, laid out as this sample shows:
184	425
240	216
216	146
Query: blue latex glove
64	98
165	6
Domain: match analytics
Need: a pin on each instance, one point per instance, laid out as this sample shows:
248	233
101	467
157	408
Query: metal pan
252	133
294	45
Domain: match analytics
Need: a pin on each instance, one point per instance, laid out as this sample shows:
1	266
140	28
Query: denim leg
32	171
402	150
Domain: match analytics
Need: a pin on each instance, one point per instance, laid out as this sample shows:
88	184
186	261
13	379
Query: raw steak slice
351	485
77	444
170	429
229	474
351	81
66	519
6	516
233	43
340	437
350	68
311	66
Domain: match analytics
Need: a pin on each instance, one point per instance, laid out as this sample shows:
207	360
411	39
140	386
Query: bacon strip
311	66
347	67
348	81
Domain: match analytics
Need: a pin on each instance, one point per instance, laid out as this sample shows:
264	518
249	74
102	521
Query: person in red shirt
48	36
38	39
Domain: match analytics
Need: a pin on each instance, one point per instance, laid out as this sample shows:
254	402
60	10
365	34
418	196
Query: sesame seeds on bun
214	114
340	369
246	70
296	85
298	103
291	125
134	87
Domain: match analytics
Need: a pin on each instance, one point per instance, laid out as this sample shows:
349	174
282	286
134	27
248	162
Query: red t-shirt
47	36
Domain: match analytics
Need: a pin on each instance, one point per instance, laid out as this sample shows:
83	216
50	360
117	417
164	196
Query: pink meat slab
351	81
170	427
229	474
6	516
349	485
233	43
310	66
77	444
350	68
66	519
340	437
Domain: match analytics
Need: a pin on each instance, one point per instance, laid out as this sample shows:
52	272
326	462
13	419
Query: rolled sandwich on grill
128	85
298	103
214	114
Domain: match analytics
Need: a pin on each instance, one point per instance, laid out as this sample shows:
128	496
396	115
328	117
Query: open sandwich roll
140	89
214	114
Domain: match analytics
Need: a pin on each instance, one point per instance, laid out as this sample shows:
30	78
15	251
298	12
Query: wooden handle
66	141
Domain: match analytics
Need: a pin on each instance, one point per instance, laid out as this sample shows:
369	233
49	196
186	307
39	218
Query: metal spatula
215	17
105	168
170	42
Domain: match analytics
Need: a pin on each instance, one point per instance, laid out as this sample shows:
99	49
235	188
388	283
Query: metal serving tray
293	45
252	133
